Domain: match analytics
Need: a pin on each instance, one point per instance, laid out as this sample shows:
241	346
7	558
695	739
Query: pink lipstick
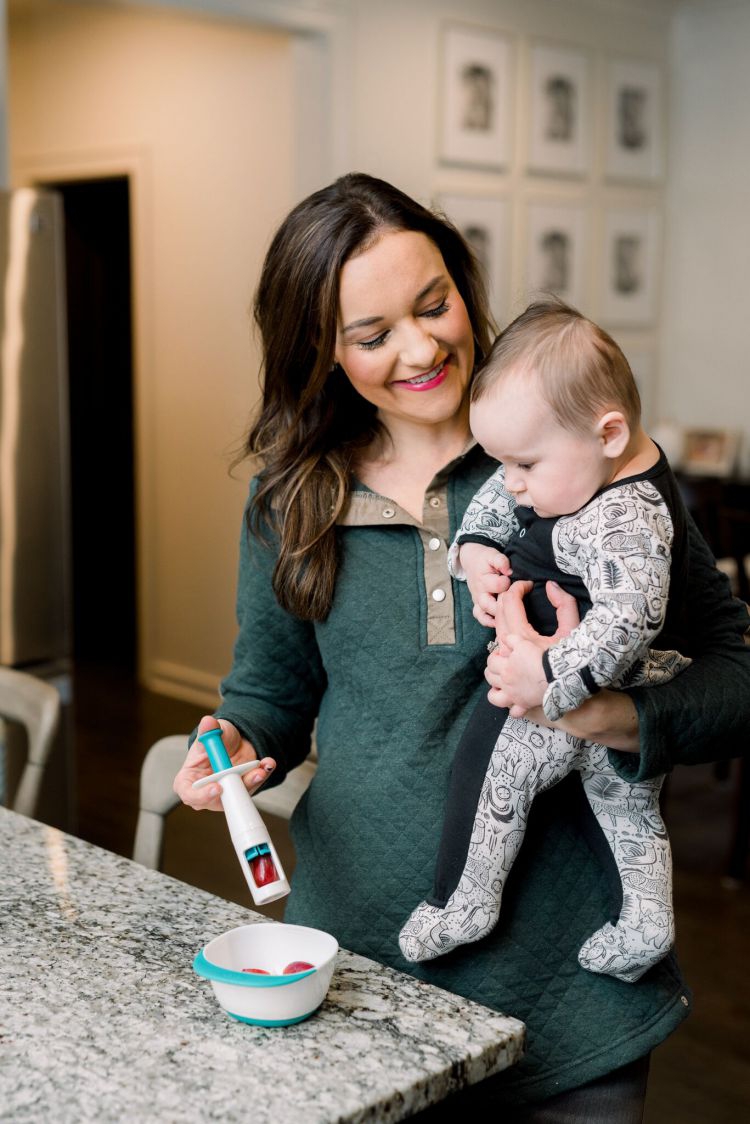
428	380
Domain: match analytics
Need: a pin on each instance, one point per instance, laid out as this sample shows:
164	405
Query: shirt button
434	544
434	501
388	512
438	595
684	1000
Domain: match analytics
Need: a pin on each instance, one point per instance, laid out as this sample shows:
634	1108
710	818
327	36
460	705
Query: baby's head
556	402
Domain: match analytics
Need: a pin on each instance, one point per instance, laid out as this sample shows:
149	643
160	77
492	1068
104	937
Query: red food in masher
297	966
263	870
257	971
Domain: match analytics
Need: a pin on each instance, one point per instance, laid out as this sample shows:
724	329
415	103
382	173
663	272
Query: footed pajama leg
630	818
472	872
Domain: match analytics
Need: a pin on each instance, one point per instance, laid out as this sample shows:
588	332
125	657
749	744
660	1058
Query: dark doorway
98	276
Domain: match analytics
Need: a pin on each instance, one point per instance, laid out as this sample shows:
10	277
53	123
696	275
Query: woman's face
404	337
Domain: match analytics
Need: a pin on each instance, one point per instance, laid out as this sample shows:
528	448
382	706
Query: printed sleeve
273	690
620	545
704	714
488	519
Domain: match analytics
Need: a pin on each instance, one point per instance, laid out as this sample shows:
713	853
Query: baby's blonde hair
581	371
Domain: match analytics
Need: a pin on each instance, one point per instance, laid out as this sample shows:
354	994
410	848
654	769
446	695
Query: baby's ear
614	433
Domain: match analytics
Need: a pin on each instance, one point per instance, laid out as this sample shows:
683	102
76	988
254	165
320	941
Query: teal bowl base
271	1022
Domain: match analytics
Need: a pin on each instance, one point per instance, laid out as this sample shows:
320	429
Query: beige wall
4	175
199	113
194	107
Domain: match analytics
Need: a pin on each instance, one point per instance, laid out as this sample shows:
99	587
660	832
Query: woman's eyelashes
368	345
438	311
378	341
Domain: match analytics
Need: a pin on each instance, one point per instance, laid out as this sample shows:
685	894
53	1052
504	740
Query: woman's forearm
609	717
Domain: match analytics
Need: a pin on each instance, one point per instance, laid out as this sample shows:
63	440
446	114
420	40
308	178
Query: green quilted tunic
392	676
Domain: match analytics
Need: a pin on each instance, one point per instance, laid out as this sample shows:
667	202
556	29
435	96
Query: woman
373	320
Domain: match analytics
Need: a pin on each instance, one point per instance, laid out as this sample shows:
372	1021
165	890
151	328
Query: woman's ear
614	432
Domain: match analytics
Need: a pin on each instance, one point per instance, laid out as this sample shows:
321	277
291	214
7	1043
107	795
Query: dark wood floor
701	1075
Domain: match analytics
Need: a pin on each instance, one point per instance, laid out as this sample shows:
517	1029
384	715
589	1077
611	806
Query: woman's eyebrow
368	321
441	277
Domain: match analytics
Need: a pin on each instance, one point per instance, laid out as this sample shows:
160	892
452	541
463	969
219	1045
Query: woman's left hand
610	717
519	679
514	670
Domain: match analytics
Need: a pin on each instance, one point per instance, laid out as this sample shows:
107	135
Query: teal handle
213	743
211	971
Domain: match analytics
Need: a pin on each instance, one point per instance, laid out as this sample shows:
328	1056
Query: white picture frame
556	249
475	111
634	145
559	111
629	280
484	222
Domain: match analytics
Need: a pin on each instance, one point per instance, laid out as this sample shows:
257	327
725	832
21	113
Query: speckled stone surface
103	1019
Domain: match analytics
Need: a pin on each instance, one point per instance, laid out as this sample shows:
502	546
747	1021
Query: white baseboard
178	682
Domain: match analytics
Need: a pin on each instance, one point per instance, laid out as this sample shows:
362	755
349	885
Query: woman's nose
418	347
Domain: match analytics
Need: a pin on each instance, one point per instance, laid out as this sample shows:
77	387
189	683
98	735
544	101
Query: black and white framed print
634	121
556	251
560	112
475	79
630	266
485	224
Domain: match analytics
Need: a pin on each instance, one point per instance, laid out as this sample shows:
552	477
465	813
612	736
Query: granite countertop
103	1019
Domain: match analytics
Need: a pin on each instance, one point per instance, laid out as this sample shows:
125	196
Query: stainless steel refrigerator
35	536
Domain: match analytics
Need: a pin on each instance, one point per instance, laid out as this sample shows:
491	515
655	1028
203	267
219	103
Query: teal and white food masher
260	863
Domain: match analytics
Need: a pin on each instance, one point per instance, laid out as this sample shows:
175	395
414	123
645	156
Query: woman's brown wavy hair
312	423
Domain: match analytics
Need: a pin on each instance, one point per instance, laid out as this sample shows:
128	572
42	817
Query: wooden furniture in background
721	508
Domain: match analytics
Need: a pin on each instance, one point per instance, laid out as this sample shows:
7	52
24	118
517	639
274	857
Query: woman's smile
429	380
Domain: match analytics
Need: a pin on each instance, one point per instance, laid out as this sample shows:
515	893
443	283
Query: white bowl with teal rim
277	998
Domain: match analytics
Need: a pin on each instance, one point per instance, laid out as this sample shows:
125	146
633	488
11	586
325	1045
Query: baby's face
547	467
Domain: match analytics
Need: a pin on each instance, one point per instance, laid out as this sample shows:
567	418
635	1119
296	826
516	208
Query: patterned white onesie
623	557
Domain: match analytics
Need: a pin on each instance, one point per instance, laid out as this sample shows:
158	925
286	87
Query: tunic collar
367	508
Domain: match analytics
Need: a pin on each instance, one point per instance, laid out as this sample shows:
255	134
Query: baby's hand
487	575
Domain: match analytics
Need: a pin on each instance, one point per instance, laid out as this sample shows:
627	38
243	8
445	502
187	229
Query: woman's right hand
609	717
197	766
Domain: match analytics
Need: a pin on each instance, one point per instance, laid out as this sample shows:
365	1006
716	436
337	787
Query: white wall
200	115
397	87
697	350
705	368
397	92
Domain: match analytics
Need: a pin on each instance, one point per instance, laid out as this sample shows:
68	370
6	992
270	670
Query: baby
582	497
